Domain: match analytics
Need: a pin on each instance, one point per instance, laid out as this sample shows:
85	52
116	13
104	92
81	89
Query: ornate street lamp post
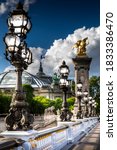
93	108
79	96
90	106
19	56
85	99
64	72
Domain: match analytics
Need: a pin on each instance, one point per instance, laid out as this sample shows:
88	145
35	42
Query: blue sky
52	20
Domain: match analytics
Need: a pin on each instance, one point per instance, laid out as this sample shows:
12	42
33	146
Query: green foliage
94	88
29	92
73	86
5	101
57	103
27	88
40	103
70	102
37	104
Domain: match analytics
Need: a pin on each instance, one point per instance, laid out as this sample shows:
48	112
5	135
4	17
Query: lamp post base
19	117
66	115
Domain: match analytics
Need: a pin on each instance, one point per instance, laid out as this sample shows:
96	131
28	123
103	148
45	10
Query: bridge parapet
53	138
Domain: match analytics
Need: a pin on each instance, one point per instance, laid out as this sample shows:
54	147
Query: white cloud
61	49
37	52
9	4
27	3
3	8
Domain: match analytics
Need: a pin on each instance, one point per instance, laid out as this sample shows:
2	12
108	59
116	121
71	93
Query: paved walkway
90	142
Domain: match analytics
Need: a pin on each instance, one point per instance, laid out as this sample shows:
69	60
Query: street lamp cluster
86	105
19	56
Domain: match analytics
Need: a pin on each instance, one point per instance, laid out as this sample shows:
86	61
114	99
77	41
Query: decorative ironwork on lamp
20	21
86	100
79	95
64	72
20	56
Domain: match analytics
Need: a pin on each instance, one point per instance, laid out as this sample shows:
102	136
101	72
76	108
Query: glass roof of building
8	80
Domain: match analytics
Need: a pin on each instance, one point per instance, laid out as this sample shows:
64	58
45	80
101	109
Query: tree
94	88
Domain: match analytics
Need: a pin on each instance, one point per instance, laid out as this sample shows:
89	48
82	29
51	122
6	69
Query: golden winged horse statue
81	46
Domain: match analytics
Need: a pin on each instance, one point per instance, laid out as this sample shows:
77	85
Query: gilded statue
81	46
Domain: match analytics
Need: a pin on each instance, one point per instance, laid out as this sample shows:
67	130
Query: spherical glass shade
90	102
93	101
85	93
63	82
64	69
90	98
17	20
20	21
28	57
82	105
79	85
79	93
12	42
85	99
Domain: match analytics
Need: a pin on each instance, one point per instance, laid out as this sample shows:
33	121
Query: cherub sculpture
81	46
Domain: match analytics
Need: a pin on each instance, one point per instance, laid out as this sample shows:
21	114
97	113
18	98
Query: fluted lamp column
19	56
90	106
79	96
85	99
64	72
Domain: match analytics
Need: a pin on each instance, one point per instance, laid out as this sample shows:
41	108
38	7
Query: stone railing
54	138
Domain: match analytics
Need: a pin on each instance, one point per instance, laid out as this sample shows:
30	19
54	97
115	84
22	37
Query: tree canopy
94	88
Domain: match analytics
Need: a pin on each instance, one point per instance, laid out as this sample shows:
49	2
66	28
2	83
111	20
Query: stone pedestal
81	66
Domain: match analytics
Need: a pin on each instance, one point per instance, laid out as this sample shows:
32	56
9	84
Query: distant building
43	84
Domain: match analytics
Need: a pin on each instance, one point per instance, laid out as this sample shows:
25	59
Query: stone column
81	66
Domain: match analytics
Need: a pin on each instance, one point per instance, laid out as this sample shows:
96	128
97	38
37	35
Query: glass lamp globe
28	56
85	99
79	85
85	93
79	93
63	82
93	101
20	21
12	41
90	102
90	98
64	69
82	105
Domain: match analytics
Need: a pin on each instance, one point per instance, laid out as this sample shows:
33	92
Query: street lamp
19	56
90	106
85	99
79	96
64	72
93	107
20	21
